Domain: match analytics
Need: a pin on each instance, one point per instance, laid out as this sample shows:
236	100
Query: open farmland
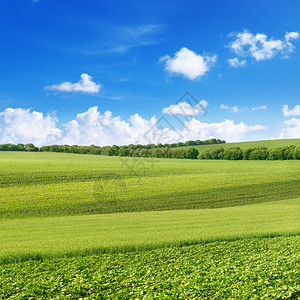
91	226
58	184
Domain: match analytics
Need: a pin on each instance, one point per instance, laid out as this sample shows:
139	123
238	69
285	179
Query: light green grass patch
22	239
252	144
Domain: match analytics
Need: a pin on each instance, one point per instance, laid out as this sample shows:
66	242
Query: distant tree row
125	151
258	153
18	147
234	153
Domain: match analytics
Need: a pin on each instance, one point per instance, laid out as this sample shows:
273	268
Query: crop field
267	268
133	231
58	184
86	226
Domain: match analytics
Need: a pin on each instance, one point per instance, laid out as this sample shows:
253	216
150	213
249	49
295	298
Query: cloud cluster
84	85
185	109
259	46
24	126
188	63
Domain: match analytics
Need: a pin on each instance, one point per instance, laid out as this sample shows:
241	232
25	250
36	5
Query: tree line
106	150
170	151
257	153
18	147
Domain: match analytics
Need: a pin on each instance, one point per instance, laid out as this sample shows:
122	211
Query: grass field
92	226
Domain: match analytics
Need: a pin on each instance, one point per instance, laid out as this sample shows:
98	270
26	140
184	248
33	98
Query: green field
77	235
247	145
58	184
93	226
265	268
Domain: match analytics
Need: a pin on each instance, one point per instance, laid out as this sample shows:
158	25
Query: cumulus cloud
228	130
91	127
84	85
233	109
235	62
291	112
260	47
185	109
262	107
25	126
188	63
292	129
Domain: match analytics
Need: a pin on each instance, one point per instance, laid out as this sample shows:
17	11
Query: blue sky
140	57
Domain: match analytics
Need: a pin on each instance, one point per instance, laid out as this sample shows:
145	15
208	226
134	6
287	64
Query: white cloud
85	85
24	126
185	109
260	47
291	36
228	130
291	112
189	64
235	62
234	109
292	130
262	107
93	128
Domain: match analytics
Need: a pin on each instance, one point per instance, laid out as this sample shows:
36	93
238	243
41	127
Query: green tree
191	153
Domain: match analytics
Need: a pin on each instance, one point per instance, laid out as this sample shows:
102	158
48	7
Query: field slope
253	144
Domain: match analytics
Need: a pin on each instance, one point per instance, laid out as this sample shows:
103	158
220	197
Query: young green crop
266	268
58	184
25	239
